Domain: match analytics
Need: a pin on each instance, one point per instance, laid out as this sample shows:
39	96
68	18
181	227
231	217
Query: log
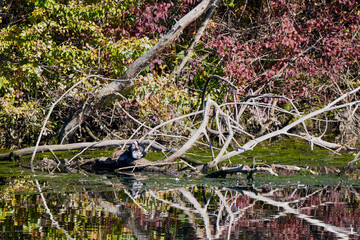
223	172
77	146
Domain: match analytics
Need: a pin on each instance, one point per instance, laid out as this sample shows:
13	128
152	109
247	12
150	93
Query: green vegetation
306	51
47	45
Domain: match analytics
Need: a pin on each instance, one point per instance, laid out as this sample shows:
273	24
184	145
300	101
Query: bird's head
134	146
137	150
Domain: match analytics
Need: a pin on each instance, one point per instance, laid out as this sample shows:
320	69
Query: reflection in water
33	210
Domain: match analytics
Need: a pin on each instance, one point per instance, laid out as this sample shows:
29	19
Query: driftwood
78	146
231	124
252	143
227	128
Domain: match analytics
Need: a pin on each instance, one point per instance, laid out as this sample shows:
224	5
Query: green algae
288	152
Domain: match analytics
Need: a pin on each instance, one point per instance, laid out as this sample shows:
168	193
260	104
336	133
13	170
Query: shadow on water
159	207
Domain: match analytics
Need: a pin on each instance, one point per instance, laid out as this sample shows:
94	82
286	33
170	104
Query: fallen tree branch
352	162
48	116
77	146
197	37
252	143
196	135
127	79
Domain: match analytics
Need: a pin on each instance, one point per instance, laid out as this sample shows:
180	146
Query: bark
134	69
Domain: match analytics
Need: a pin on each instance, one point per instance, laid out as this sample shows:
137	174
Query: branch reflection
135	208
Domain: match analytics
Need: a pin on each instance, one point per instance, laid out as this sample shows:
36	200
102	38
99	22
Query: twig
211	149
128	140
193	168
48	116
134	119
197	37
356	158
81	152
170	121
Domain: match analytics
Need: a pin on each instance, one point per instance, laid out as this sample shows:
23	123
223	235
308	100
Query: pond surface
69	206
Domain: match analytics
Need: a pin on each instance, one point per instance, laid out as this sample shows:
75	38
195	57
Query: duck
135	151
121	158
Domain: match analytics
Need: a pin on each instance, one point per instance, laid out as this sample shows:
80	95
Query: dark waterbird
121	158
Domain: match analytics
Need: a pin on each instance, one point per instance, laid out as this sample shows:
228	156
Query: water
138	206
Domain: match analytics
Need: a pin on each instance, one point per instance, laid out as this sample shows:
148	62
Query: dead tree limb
252	143
352	162
196	135
244	169
223	155
49	113
134	69
78	146
197	37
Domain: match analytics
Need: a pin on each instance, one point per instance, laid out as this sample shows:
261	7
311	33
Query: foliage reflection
133	209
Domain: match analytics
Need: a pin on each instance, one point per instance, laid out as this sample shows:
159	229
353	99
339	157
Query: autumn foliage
306	50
